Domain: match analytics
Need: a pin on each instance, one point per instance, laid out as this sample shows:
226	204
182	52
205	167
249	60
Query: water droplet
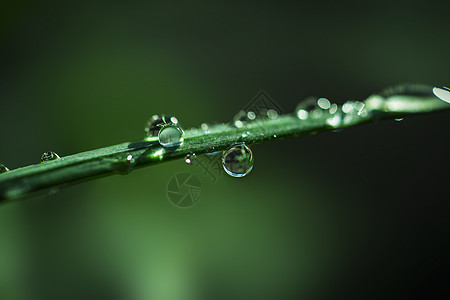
3	168
131	159
272	114
157	122
47	156
190	158
170	136
245	134
442	93
347	107
251	115
205	127
302	114
238	160
399	119
333	108
323	103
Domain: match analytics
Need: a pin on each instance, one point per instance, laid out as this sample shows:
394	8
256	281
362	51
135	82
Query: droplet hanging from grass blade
238	160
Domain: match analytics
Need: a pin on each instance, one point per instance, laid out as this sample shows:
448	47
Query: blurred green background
361	214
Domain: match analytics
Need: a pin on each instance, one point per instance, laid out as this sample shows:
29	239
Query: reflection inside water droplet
3	168
47	156
170	136
238	160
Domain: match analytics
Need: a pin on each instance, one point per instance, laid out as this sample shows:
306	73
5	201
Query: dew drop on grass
3	168
238	160
157	122
48	156
170	136
190	158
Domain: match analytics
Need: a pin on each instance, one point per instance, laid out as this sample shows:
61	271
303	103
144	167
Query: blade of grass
123	158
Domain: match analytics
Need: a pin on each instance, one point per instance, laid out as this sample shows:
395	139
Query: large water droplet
238	160
3	168
190	158
170	136
47	156
157	122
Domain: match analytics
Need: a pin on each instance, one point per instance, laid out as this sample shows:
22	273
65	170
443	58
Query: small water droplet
272	114
333	108
170	136
245	134
48	156
131	159
204	127
399	119
238	160
190	158
442	93
251	115
3	168
157	122
323	103
302	114
347	107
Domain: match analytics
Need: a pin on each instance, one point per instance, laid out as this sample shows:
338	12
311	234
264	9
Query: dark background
359	214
